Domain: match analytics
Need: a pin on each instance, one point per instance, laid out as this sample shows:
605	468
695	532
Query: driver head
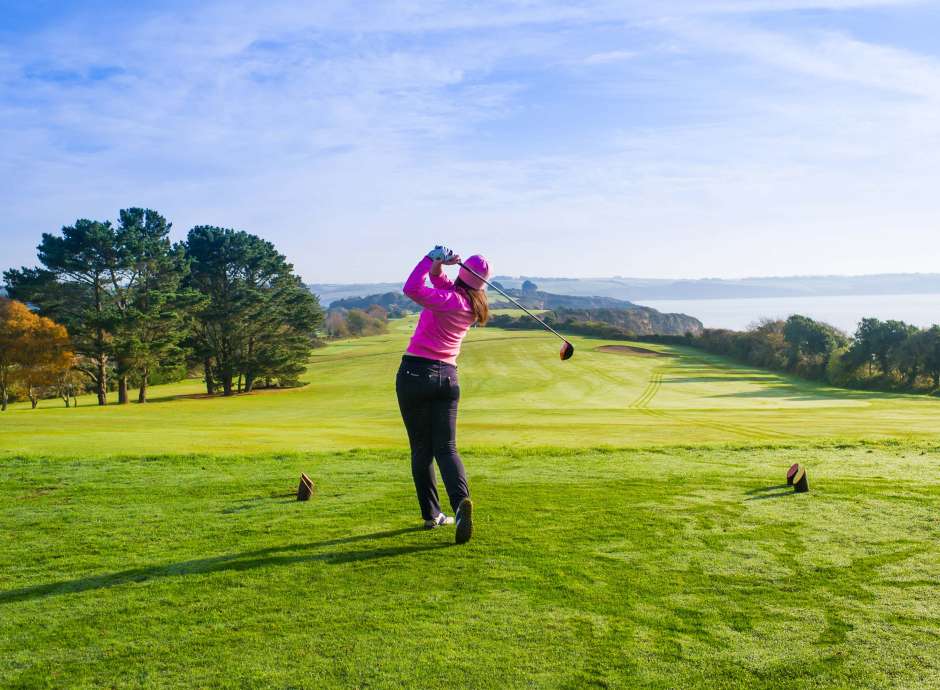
567	350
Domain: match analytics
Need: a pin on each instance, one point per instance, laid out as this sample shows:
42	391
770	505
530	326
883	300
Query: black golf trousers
428	392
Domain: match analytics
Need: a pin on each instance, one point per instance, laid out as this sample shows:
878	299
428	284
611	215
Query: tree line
139	308
890	354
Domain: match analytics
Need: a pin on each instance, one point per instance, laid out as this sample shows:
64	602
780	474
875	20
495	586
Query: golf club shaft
547	327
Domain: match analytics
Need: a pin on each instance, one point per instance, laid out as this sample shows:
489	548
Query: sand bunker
631	350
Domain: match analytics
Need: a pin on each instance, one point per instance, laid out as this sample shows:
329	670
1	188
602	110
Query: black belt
425	360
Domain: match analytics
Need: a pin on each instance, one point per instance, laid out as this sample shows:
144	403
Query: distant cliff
636	320
609	323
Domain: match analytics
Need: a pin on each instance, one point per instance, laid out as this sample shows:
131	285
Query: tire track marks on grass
652	388
641	404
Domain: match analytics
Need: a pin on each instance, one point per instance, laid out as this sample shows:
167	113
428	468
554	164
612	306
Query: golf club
567	349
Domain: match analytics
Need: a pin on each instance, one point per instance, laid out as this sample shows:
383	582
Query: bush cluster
883	355
356	323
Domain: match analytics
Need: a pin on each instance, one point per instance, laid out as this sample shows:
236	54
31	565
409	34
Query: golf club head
567	350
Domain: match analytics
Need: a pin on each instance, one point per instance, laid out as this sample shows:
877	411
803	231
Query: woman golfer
427	385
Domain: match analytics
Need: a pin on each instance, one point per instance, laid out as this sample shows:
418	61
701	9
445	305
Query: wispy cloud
822	55
609	56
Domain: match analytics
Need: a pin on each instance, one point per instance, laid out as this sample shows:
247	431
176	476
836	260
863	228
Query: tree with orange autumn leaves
35	352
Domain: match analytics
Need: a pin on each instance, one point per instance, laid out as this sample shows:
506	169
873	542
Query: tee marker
306	488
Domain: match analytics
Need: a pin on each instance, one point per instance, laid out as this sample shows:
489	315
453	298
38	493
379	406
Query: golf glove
440	253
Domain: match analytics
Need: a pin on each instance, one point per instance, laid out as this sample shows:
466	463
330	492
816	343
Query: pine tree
257	319
153	300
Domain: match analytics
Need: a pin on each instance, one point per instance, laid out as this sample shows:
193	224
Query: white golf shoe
439	521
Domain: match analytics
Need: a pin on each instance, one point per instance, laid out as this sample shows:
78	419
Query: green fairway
632	531
624	569
515	390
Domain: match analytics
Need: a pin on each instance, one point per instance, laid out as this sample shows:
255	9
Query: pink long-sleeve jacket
445	319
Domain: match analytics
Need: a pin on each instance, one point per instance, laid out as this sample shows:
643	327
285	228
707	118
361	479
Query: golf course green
633	529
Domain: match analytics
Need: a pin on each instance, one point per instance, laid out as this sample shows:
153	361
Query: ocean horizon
842	311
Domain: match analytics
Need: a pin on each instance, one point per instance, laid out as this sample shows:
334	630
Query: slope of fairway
515	390
679	569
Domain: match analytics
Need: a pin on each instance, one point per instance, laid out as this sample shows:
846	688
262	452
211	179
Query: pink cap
478	265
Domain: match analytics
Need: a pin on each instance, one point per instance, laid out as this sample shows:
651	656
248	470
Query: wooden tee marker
306	488
800	485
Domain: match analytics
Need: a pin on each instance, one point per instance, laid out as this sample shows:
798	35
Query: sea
842	311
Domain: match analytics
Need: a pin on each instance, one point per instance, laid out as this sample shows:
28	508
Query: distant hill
639	289
539	299
396	301
331	292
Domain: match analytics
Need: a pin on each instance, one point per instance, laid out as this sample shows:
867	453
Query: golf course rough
163	545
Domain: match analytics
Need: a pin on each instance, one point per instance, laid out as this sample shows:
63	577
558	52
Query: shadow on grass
779	491
696	366
246	560
173	397
259	501
718	379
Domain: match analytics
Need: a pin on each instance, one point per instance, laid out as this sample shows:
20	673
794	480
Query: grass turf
159	545
657	568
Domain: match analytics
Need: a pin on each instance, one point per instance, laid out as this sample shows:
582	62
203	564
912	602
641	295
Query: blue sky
594	138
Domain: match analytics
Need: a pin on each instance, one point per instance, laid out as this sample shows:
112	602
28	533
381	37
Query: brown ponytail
478	302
